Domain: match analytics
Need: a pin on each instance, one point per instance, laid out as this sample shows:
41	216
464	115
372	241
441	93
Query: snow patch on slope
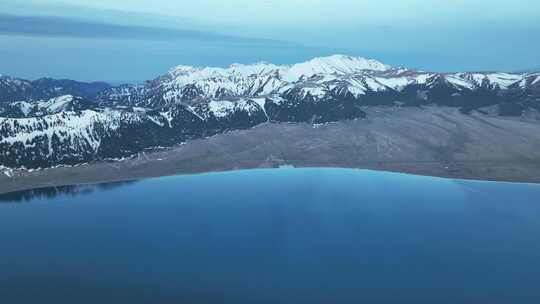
57	104
221	108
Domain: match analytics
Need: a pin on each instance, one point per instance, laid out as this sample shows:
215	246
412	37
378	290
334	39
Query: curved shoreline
23	185
438	142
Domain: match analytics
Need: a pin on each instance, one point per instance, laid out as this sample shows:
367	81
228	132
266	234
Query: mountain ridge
194	102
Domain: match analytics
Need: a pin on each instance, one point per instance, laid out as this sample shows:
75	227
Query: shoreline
437	142
21	186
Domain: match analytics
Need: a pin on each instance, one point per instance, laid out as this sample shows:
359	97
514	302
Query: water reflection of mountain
51	192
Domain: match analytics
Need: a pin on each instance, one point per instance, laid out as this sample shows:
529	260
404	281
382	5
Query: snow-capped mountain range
49	122
320	76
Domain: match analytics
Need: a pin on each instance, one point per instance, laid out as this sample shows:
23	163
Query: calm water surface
273	236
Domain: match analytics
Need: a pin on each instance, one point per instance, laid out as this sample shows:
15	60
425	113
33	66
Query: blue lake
273	236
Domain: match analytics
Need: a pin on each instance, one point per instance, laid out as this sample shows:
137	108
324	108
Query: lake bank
433	142
119	172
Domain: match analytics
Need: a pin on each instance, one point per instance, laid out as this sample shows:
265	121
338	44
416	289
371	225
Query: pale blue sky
132	40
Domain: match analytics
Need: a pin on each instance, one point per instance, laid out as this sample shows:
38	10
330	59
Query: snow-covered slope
70	137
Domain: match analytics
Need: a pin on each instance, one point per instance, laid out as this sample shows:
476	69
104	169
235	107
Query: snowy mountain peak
234	69
59	103
346	64
253	69
334	64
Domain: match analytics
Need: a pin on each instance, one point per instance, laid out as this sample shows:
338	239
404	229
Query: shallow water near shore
273	236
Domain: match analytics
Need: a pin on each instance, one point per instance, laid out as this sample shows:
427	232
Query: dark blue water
274	236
